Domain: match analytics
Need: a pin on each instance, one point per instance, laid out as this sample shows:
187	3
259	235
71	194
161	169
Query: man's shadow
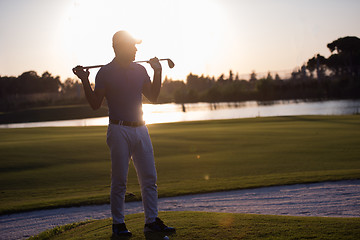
148	236
156	236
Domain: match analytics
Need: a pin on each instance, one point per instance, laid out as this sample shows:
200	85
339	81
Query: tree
317	63
49	83
231	76
345	45
197	83
277	77
237	77
221	78
253	76
346	56
334	63
269	77
27	82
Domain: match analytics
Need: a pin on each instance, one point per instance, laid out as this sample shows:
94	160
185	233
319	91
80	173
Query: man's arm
152	90
94	98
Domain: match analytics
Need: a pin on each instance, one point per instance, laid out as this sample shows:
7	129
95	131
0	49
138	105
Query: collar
131	65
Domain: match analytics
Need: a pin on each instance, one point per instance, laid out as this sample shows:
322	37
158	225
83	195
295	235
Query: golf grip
97	66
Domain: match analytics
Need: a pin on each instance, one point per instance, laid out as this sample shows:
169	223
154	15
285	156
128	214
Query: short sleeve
99	80
146	76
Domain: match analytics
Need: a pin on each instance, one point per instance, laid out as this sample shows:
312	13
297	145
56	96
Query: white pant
125	143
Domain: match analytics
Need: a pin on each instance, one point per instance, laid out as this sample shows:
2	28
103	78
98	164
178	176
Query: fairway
192	225
52	167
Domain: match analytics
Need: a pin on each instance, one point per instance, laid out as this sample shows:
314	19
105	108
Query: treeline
335	77
31	90
299	86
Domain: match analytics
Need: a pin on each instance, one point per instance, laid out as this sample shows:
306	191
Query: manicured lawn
52	167
211	226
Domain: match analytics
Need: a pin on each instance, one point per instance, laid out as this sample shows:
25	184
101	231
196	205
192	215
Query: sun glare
184	31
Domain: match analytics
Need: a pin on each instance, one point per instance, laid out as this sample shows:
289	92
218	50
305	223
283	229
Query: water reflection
162	113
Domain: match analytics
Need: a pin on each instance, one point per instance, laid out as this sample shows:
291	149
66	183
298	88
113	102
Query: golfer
122	82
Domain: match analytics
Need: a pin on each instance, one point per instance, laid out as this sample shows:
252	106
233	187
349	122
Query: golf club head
170	63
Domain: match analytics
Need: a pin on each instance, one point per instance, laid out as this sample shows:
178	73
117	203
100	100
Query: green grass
211	226
52	113
67	166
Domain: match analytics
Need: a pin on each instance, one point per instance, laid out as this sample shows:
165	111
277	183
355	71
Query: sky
207	37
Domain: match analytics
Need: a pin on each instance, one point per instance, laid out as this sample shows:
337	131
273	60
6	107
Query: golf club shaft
97	66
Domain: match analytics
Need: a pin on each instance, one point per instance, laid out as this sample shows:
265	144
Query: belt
127	123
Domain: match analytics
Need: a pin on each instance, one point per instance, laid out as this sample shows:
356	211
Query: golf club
169	61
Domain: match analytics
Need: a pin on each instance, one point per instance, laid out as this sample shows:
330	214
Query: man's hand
80	73
95	97
155	64
151	90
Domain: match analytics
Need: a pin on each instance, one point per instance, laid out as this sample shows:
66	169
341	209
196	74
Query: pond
164	113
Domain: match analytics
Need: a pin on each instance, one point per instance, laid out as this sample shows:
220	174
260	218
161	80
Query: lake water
164	113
